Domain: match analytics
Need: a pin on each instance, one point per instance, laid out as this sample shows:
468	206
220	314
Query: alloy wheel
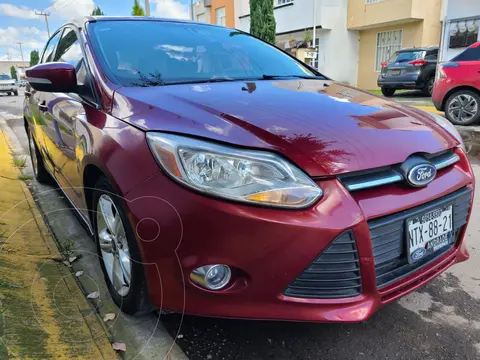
463	108
113	245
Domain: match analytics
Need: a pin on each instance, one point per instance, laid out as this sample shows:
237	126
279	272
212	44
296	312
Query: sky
19	23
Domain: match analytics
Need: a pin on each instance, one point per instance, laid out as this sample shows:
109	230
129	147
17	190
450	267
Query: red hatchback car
457	88
222	177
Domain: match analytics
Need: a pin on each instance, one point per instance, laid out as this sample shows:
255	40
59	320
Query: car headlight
250	176
447	125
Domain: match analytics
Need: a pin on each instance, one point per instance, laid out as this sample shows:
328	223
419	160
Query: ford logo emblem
421	175
418	254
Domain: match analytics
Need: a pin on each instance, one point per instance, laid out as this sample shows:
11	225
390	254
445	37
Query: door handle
42	107
28	93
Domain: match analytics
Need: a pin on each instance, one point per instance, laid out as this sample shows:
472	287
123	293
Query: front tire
388	92
39	170
463	107
15	93
118	251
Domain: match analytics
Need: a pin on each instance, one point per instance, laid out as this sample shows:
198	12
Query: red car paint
325	128
454	76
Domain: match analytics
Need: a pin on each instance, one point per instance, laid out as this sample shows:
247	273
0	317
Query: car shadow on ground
418	329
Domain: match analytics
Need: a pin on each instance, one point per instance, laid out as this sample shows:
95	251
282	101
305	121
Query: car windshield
171	53
406	56
5	77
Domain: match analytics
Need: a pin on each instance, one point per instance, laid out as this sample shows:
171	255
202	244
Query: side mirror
52	77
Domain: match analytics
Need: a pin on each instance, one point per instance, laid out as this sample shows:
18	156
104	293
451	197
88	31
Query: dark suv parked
412	68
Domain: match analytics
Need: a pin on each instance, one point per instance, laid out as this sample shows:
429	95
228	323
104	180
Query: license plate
429	232
395	72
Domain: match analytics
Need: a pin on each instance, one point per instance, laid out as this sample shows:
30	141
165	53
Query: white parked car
7	85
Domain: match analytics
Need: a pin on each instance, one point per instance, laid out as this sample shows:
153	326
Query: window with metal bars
283	2
387	43
372	1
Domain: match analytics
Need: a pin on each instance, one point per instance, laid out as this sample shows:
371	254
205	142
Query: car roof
425	48
81	21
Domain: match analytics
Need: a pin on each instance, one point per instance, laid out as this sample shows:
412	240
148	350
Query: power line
59	6
46	15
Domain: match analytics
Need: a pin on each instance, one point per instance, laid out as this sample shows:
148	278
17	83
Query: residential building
389	25
336	46
20	66
220	12
201	11
461	23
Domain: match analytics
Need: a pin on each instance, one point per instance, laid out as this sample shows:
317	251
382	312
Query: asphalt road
439	321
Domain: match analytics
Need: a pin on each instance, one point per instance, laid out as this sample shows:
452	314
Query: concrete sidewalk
43	313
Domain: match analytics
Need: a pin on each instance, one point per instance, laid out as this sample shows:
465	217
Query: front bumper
8	89
179	230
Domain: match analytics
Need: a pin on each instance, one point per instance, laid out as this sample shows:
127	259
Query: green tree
262	20
137	10
34	57
97	12
13	73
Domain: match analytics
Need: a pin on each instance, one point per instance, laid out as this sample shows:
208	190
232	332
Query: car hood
7	82
326	128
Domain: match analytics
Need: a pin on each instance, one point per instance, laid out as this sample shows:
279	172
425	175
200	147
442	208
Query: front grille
389	243
335	273
391	174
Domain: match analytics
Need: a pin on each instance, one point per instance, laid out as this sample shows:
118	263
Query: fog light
212	277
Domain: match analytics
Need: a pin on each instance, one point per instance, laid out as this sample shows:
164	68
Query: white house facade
337	47
461	23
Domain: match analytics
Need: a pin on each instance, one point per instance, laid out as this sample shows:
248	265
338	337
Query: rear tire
15	93
388	92
39	170
130	289
428	88
463	107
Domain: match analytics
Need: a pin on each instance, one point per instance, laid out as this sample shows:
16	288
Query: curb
57	309
145	337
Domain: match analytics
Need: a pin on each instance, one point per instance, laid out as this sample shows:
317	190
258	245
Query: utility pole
191	10
46	19
147	7
21	50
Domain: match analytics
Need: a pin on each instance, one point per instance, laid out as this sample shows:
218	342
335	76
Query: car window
470	54
70	51
5	77
49	52
432	55
406	56
170	52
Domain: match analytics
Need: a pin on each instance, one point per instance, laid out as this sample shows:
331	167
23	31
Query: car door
429	69
469	60
62	113
35	104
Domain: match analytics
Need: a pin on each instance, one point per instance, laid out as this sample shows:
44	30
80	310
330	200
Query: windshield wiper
272	77
200	81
